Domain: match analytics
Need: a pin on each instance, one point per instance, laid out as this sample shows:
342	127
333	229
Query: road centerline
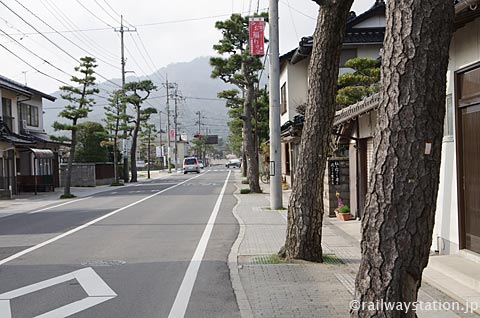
182	299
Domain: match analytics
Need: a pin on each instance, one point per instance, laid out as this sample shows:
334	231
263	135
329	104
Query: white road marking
97	290
61	204
81	227
185	291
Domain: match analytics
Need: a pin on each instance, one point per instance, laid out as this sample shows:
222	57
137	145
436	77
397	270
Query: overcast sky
166	32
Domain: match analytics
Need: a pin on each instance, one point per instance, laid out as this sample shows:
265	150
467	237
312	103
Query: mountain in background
194	83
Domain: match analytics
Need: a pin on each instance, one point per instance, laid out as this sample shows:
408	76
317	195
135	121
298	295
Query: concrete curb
242	300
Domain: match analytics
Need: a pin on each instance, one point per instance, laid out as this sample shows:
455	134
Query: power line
93	14
106	11
35	54
75	44
33	67
140	25
48	39
150	57
296	10
70	25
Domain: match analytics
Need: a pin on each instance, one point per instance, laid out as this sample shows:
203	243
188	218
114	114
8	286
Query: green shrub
67	196
344	209
244	191
244	181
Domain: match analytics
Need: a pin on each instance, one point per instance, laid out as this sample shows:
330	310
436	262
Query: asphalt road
156	249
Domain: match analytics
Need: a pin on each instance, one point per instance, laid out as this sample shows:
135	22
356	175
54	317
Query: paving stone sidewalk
266	288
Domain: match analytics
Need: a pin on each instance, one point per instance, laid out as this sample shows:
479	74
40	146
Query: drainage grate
332	259
266	259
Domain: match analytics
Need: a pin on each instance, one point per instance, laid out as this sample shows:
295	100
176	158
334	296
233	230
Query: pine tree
240	69
115	124
79	105
147	135
135	94
400	206
305	210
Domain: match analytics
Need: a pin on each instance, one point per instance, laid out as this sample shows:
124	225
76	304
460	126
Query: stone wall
336	180
83	175
5	194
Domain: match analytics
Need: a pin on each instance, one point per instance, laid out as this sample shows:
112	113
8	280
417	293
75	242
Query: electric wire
143	57
149	56
70	41
35	54
293	20
106	11
94	15
33	67
48	39
298	11
70	25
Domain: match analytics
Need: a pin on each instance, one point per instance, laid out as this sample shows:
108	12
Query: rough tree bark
305	210
71	159
250	150
133	150
400	205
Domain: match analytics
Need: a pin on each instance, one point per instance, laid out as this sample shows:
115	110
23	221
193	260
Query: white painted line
61	204
97	290
73	308
185	291
5	308
93	285
81	227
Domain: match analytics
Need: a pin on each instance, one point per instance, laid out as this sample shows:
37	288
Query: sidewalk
266	287
29	201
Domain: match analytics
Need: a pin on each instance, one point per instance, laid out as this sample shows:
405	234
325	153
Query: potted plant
343	213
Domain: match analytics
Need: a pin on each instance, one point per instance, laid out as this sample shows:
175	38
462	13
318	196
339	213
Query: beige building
28	158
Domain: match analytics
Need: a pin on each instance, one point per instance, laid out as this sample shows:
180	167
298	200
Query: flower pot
343	216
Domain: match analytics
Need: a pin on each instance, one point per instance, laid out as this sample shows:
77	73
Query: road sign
172	133
96	289
256	28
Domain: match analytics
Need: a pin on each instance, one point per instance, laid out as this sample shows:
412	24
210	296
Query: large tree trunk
249	144
71	158
400	204
133	151
305	211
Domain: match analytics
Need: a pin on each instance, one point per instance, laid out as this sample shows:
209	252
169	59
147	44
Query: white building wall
284	72
296	77
464	51
373	22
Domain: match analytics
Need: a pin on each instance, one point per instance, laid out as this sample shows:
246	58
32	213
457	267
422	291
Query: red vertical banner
256	27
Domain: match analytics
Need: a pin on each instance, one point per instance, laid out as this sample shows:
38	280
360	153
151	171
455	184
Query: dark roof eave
7	83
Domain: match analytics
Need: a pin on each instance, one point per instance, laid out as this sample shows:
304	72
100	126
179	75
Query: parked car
200	164
190	164
233	163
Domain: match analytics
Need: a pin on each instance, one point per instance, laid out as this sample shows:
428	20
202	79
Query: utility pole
275	155
169	164
199	123
175	124
123	29
160	134
199	127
